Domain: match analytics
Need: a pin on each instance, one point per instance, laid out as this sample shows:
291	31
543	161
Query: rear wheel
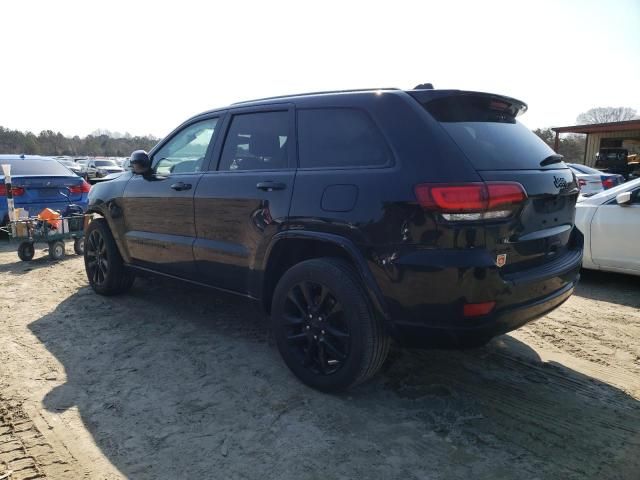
56	250
325	328
105	268
26	251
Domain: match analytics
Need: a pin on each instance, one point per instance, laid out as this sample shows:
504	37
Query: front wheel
105	268
325	327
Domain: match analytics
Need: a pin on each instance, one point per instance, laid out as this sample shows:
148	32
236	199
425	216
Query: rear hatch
538	227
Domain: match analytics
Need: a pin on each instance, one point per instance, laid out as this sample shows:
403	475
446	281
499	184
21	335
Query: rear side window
487	132
339	137
256	141
36	167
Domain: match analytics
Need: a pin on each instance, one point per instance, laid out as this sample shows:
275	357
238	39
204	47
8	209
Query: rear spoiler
513	106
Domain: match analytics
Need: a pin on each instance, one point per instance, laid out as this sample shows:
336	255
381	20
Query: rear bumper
463	334
425	293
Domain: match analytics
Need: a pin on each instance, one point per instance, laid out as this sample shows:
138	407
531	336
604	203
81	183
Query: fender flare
371	286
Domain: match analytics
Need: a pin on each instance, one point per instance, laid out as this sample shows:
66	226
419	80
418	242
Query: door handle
181	186
270	186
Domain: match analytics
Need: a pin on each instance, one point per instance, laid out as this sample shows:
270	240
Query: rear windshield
487	132
106	163
36	167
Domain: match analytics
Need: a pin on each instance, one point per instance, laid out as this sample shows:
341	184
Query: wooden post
556	144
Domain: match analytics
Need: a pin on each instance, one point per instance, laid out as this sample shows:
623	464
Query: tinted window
186	151
36	167
256	141
339	137
487	132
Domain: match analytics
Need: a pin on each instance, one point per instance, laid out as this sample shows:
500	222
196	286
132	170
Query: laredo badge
501	259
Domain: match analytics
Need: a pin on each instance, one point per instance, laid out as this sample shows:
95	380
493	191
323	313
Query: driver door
158	208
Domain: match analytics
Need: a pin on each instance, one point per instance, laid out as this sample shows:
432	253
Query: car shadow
177	382
611	287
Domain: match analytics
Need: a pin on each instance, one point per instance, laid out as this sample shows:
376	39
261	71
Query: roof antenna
424	86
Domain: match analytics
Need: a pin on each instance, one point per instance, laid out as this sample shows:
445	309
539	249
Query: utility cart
27	232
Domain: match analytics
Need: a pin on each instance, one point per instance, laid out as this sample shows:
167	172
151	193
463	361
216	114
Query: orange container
51	217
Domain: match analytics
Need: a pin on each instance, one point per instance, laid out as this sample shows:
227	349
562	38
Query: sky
144	67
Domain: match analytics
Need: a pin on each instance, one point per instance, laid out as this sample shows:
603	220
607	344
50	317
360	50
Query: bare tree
606	115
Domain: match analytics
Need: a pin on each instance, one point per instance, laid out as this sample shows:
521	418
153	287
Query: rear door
244	198
615	235
501	149
158	208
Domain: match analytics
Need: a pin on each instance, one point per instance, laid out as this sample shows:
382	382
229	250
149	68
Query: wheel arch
290	248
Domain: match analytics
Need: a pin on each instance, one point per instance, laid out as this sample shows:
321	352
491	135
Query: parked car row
93	169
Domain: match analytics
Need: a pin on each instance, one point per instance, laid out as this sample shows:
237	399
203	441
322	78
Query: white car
610	222
594	181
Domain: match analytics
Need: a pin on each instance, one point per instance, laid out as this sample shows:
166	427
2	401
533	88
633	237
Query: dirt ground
174	382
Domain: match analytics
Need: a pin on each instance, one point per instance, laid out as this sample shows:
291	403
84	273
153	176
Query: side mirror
623	198
140	163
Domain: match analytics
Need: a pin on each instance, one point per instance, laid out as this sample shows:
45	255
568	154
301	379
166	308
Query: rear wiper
551	159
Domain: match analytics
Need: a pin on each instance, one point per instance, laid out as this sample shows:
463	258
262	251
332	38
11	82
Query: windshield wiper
551	159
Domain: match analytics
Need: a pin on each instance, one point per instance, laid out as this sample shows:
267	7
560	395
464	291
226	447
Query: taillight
477	309
17	191
582	182
471	201
84	187
607	182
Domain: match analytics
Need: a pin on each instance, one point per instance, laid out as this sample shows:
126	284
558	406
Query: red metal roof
600	127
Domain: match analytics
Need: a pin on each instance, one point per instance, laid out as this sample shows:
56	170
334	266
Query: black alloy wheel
97	263
325	326
316	328
106	271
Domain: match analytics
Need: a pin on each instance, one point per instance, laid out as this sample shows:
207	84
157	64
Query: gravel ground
172	381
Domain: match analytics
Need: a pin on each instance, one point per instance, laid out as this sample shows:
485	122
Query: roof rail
355	90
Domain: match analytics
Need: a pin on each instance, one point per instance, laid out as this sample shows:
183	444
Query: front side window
186	151
256	141
339	137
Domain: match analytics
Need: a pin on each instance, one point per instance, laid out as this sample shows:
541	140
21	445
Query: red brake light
470	197
17	191
84	187
477	309
608	182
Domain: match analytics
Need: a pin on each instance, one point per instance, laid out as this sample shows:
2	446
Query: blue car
39	183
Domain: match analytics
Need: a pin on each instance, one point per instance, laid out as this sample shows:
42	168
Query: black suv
428	216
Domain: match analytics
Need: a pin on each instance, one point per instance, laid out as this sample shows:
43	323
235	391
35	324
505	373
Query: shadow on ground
177	382
40	260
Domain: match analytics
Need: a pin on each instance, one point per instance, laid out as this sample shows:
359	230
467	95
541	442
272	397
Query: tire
339	350
56	250
105	268
78	246
26	251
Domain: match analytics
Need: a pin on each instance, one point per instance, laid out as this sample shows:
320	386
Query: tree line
54	143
